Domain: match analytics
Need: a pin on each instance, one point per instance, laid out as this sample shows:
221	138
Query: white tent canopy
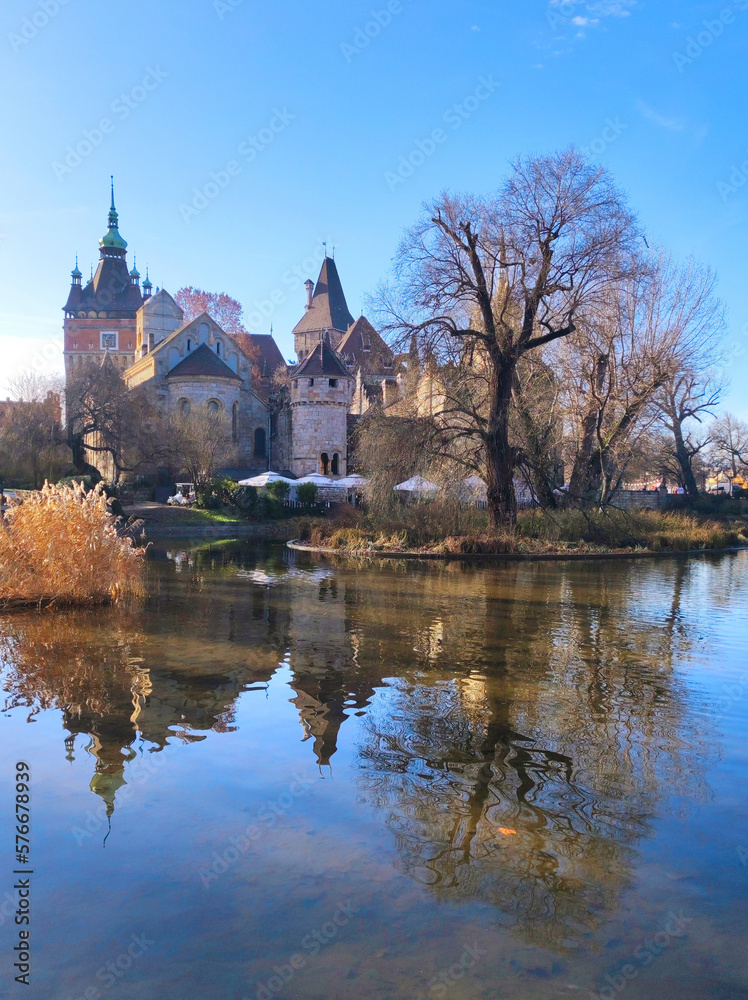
418	485
352	482
317	478
264	478
472	488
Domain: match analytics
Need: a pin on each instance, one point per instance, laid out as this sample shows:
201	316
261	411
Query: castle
282	417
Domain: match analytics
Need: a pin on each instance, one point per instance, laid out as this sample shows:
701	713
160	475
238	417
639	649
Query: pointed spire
112	242
135	273
75	274
147	285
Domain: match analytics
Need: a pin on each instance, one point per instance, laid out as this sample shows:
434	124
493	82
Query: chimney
309	285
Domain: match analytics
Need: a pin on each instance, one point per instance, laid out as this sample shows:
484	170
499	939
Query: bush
60	546
217	493
307	494
278	490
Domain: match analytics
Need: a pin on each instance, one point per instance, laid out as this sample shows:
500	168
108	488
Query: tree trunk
584	484
684	463
500	455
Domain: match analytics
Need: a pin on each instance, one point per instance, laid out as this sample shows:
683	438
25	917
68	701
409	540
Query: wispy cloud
651	114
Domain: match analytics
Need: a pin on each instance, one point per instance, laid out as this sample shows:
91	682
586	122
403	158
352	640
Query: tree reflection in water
522	726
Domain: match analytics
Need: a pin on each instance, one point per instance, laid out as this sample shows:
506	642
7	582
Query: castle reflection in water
538	699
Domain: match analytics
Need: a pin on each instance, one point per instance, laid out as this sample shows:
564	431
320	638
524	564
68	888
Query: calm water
287	778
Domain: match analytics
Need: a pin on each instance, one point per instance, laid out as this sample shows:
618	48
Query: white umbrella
352	482
317	479
418	485
264	479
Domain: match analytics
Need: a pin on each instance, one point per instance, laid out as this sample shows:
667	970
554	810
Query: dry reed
60	546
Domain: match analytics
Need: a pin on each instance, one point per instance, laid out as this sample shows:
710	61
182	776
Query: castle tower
326	311
100	316
321	390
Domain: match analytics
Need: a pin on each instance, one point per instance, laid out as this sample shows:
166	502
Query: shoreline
509	556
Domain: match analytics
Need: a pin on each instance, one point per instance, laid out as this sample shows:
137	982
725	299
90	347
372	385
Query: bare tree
508	275
201	444
730	444
687	399
105	419
652	327
31	448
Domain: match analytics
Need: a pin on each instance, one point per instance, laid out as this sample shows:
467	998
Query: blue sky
315	106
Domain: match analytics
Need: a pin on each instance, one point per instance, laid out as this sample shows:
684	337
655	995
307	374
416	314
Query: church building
289	418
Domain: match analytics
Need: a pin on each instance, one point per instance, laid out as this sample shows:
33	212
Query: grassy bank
440	529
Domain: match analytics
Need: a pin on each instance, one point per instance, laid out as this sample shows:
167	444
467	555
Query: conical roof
329	310
362	347
322	361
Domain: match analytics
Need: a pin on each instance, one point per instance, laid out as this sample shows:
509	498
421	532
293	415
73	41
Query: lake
283	776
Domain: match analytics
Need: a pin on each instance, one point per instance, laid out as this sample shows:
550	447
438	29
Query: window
218	348
333	383
235	422
108	340
260	443
189	344
311	381
324	463
184	407
213	407
204	333
296	383
335	471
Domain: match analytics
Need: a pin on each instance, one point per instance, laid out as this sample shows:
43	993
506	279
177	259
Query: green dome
76	272
112	237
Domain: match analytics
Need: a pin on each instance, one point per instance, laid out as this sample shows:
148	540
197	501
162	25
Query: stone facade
199	368
196	367
319	426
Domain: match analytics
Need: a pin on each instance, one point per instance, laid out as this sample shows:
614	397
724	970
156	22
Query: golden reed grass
60	546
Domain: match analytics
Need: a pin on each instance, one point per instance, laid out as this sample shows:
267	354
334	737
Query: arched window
324	463
189	344
213	407
218	348
204	333
335	465
260	444
184	407
235	422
